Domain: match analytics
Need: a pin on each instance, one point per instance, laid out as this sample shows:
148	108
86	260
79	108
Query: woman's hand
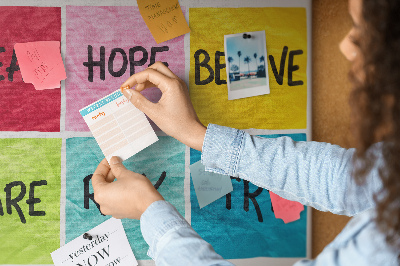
127	197
173	113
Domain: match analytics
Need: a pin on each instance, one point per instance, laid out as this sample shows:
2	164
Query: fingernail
127	93
115	160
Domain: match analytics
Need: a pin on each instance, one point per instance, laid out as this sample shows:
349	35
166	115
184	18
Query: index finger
100	174
149	75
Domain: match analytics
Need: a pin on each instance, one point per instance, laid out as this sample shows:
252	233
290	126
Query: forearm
312	173
172	241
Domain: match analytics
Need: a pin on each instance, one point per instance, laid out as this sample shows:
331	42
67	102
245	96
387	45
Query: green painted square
26	238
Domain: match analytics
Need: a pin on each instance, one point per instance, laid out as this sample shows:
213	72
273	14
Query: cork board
49	154
330	99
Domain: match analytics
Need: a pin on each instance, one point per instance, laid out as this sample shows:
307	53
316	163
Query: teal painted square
83	155
237	234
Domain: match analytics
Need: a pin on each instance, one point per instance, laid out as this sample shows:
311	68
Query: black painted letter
203	63
86	195
292	68
279	77
122	70
155	50
218	67
14	202
252	197
90	63
32	200
132	61
13	67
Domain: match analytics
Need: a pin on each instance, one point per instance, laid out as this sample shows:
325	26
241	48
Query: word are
94	258
12	200
90	196
12	68
100	114
198	65
133	60
89	246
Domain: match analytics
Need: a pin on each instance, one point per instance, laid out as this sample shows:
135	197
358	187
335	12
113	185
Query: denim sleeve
172	241
312	173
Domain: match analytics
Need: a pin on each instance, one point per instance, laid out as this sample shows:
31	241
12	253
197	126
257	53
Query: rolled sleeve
221	149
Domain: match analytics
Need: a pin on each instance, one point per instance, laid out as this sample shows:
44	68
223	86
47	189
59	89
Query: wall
331	89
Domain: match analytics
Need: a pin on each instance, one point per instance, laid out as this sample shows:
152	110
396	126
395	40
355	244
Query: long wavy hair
375	101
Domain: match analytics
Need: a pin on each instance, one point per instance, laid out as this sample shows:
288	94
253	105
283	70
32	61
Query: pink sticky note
286	210
41	64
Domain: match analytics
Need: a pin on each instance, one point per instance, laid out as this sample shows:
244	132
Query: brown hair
376	106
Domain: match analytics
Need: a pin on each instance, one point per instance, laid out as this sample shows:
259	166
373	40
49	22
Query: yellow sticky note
164	18
286	39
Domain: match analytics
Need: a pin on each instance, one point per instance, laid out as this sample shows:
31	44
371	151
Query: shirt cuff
158	219
222	148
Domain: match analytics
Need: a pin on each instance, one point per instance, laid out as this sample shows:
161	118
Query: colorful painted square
29	200
247	221
163	163
286	38
105	45
22	108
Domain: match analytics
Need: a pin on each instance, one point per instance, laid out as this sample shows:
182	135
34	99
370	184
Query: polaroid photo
246	61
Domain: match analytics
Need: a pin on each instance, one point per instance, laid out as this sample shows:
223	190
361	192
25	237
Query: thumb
138	100
117	167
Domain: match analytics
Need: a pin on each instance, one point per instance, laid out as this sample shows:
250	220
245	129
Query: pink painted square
22	108
105	45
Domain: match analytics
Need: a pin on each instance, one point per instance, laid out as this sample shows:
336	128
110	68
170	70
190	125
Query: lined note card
118	126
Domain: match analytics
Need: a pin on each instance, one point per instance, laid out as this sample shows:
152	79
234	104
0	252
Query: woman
363	183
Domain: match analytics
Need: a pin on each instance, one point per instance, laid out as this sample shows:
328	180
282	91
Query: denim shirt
312	173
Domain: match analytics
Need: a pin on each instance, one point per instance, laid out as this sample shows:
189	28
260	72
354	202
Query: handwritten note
41	64
209	186
284	209
164	18
108	246
118	126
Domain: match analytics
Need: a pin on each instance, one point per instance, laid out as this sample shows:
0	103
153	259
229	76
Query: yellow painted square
286	106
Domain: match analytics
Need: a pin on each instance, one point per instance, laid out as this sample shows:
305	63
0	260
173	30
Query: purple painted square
120	44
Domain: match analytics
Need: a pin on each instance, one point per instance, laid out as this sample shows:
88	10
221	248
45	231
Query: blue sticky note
209	186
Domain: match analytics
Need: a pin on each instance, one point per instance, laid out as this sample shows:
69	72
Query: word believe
12	201
198	65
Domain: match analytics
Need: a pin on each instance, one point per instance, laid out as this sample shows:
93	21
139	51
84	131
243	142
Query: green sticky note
30	187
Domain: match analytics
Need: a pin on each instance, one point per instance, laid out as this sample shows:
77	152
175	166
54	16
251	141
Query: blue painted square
83	155
236	234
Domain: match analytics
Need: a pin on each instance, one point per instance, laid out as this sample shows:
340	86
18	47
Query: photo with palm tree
247	72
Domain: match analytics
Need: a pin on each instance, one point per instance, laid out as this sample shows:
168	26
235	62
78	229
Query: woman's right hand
173	113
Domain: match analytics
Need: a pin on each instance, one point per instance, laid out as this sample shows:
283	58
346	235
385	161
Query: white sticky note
108	246
209	186
118	126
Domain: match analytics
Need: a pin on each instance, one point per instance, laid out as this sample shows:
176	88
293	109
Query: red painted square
22	108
